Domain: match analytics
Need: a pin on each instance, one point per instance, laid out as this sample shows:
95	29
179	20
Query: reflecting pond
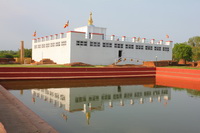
120	108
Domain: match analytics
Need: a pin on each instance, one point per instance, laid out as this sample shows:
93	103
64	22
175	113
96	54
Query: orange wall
180	78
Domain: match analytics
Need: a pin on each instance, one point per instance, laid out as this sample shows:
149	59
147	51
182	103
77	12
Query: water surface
115	109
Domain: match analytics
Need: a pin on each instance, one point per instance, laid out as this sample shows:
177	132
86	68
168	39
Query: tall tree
182	51
194	41
196	53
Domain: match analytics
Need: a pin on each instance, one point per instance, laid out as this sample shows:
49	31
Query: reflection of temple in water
96	98
89	99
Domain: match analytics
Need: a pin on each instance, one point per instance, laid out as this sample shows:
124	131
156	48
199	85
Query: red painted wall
34	69
181	78
73	73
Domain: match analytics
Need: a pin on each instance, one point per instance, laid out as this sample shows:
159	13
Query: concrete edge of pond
16	117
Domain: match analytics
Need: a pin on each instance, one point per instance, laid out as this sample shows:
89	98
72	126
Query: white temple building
91	45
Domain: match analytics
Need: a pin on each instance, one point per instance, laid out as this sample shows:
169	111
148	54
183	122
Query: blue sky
151	19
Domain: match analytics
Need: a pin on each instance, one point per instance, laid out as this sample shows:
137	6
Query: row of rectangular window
108	45
117	45
52	94
63	43
129	46
118	96
95	44
157	48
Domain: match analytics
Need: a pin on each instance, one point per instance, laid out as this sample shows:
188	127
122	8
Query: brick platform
19	73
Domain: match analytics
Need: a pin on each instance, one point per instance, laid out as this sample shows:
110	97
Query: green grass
28	65
183	67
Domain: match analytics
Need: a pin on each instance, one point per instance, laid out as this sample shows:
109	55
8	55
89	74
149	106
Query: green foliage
28	53
12	54
196	53
194	41
8	54
182	51
194	92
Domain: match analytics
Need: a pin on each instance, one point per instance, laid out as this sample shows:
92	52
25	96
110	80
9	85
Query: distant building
91	45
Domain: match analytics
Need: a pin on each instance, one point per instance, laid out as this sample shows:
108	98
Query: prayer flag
66	25
34	34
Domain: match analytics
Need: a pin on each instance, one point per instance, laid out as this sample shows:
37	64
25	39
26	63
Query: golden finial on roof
90	21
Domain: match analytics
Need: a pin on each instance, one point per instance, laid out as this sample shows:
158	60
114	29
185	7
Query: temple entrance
120	54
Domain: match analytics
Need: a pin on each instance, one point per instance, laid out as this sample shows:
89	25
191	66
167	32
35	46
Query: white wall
106	56
59	54
91	29
96	55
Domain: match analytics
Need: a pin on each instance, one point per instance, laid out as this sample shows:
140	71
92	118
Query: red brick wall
181	78
6	60
73	73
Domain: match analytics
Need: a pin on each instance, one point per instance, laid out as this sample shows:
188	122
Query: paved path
17	118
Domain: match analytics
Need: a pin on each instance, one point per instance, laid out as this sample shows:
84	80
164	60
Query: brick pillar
22	52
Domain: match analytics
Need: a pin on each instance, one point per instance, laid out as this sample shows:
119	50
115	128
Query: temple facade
90	44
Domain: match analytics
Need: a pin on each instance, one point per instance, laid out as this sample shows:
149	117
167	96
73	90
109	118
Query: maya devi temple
90	44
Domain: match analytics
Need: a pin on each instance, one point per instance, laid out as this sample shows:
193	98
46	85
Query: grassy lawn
28	65
183	67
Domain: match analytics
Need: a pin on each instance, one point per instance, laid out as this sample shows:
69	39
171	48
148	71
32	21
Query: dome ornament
90	21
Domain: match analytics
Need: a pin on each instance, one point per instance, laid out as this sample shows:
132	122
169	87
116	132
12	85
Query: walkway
17	118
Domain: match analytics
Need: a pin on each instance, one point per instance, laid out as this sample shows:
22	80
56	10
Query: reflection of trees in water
179	89
189	91
194	92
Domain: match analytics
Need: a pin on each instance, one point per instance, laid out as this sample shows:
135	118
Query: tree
182	51
194	41
28	53
7	56
196	53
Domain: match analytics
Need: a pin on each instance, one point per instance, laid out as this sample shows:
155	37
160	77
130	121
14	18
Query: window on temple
148	47
139	47
63	43
117	45
129	46
109	45
165	48
81	43
57	43
95	44
157	48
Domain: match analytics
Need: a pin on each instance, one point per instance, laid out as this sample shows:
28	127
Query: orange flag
167	36
34	34
67	24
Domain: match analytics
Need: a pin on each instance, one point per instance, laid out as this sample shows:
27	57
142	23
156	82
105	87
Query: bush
7	56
